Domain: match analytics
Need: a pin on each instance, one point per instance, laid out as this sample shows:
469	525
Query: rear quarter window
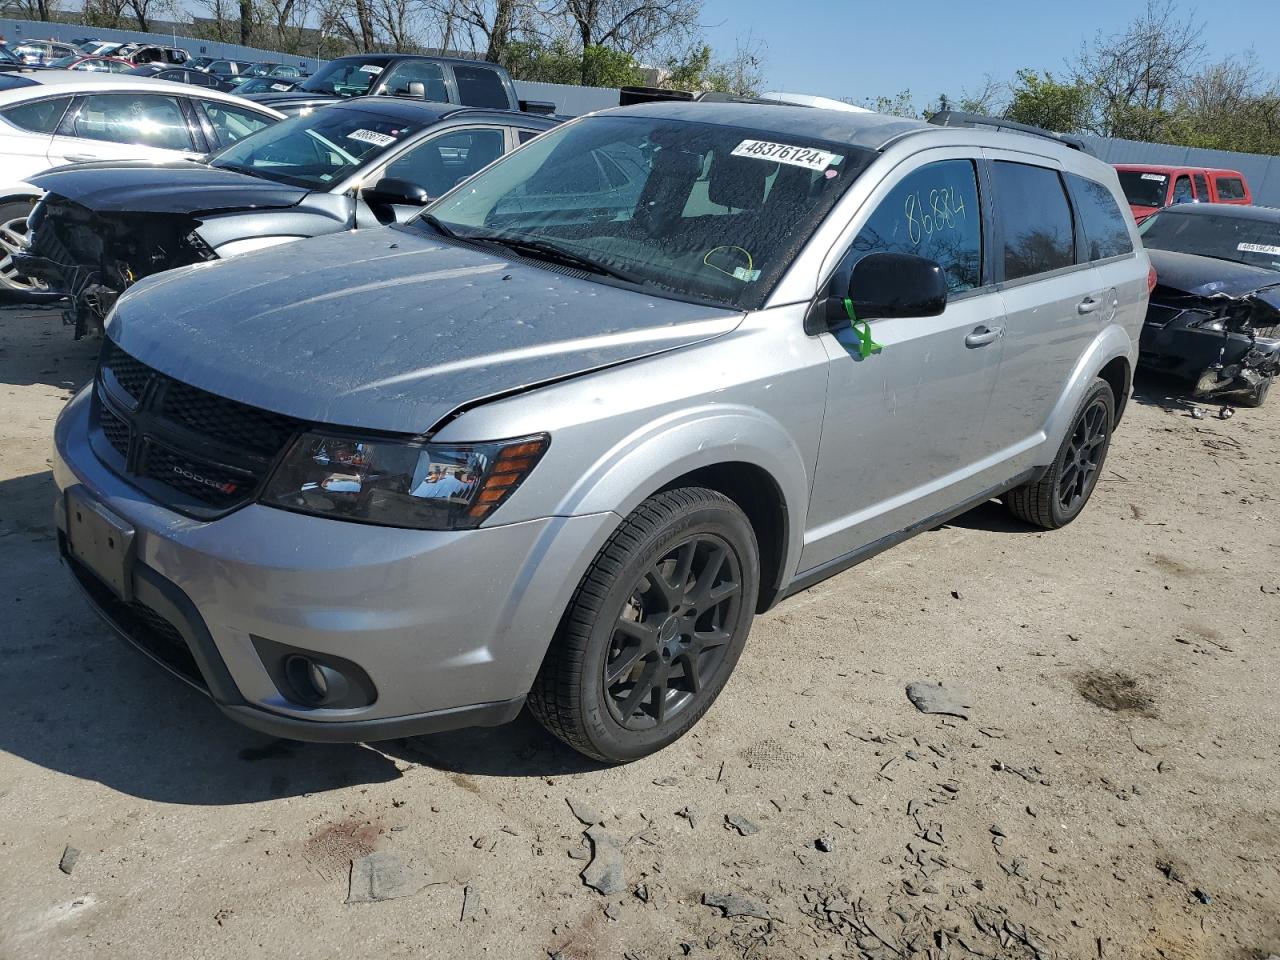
481	87
1230	188
37	116
1105	230
1037	233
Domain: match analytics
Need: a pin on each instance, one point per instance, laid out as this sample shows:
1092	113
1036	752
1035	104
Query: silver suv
560	438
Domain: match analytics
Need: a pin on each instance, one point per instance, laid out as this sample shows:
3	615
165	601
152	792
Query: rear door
903	438
1054	299
124	126
25	150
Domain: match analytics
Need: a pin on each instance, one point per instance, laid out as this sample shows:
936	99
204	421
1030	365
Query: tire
1061	493
667	601
13	215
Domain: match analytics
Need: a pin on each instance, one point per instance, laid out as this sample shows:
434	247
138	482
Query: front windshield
704	211
318	149
1144	189
346	78
1242	239
6	56
264	85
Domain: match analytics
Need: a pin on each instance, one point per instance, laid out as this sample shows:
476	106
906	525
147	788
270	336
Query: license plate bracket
100	540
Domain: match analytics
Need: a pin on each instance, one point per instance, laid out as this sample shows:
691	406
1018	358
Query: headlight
429	486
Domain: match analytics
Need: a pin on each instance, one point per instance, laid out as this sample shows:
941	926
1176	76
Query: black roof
1237	210
411	109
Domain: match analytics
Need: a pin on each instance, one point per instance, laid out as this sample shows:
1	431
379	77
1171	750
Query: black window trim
1045	163
1084	234
69	98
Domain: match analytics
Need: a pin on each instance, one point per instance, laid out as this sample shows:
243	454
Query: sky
861	48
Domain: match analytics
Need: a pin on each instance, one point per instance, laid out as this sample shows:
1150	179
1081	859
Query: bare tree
105	13
635	27
145	10
1135	75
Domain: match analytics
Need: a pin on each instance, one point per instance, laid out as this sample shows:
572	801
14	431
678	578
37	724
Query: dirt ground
1113	794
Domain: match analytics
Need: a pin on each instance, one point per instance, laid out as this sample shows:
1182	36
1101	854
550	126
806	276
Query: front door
904	434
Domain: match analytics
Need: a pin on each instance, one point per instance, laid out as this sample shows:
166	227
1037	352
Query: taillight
1151	279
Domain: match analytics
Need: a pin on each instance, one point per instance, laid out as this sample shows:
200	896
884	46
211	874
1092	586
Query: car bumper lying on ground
426	630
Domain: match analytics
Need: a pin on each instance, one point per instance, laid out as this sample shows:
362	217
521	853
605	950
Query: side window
430	75
481	87
1230	188
1105	230
933	212
233	123
442	162
143	119
1035	220
527	135
1182	190
1202	187
39	116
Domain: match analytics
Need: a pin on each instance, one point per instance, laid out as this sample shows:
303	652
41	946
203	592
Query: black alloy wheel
671	635
1086	447
1057	496
654	628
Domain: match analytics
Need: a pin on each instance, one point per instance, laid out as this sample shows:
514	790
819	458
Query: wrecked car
1214	316
377	484
103	226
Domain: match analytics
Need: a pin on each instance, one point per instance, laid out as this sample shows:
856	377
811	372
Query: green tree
1042	101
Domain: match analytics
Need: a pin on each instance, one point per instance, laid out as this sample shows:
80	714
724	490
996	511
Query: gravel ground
1112	794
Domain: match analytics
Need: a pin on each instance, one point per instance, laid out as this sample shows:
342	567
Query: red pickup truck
1151	187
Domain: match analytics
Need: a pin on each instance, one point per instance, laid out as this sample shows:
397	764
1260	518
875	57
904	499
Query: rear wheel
13	235
1060	494
654	629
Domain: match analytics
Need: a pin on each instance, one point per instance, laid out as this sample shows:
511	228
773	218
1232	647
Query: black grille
143	626
115	430
131	374
206	482
195	451
226	420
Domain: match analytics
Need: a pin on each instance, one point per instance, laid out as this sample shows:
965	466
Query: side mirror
883	285
418	89
391	191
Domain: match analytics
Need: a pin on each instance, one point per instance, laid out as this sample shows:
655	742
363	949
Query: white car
52	117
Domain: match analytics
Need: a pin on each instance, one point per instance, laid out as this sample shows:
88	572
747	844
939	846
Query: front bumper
449	627
1185	351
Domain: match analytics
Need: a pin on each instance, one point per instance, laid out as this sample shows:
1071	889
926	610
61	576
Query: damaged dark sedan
368	162
1214	316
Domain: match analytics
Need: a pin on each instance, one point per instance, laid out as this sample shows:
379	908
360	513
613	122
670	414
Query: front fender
670	447
1111	342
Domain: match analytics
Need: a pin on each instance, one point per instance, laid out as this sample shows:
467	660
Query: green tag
866	346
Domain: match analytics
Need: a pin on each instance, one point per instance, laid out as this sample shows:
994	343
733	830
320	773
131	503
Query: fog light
314	682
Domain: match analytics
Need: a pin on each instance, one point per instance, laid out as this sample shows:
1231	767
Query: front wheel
13	237
1060	494
654	629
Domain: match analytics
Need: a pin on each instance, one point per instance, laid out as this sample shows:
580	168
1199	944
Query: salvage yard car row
555	439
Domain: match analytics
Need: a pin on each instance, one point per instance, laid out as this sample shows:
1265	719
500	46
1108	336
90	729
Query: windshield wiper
438	225
545	250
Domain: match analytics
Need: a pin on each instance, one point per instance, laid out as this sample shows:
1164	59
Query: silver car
559	439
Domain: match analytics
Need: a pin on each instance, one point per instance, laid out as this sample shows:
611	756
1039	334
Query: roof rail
956	118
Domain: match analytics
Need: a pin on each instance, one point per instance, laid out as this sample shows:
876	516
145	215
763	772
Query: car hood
1209	276
181	186
390	329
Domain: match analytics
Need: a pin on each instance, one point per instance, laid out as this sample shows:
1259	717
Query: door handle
983	335
1088	305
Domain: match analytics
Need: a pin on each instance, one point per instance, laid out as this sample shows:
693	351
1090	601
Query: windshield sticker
805	157
371	136
1158	177
371	68
280	86
1266	248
